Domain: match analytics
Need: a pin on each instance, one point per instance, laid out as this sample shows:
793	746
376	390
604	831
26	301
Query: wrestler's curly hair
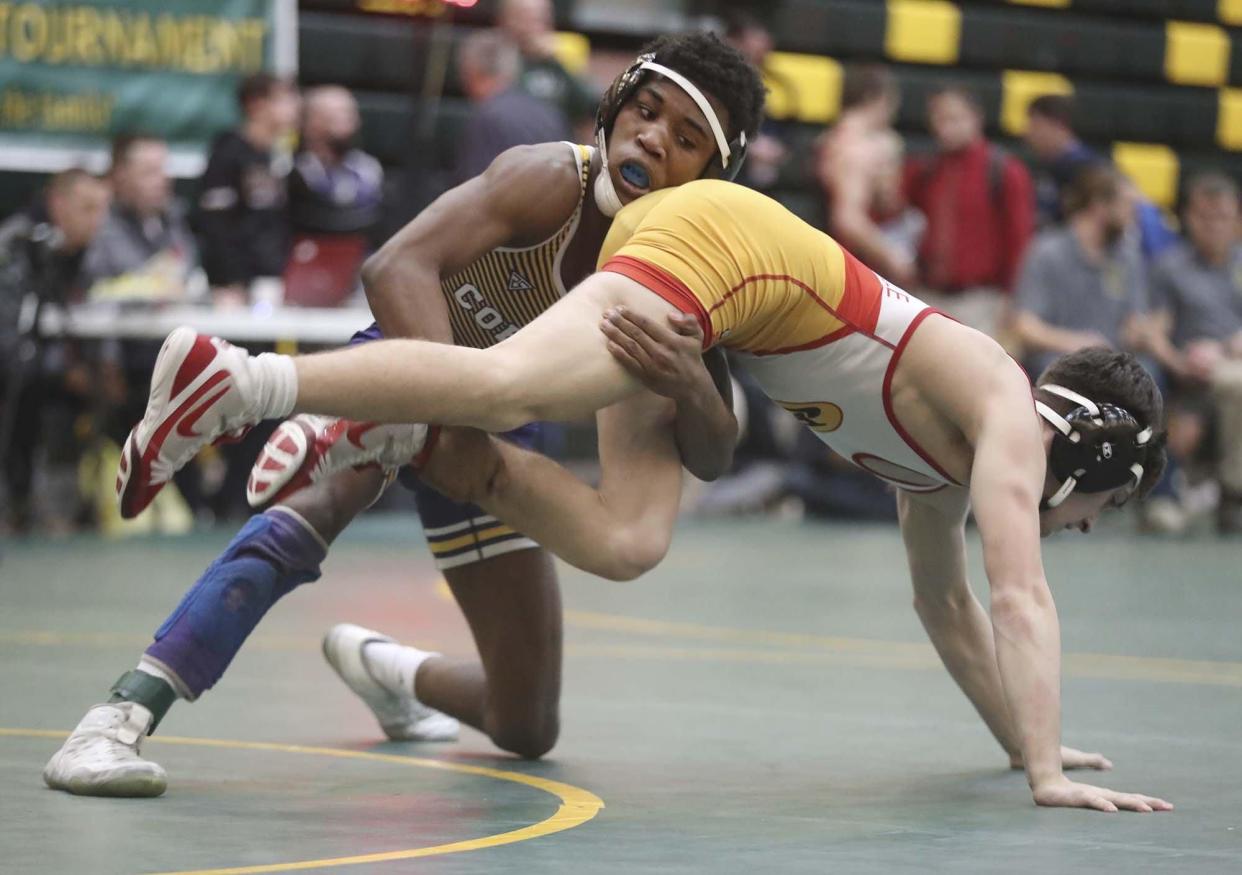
719	70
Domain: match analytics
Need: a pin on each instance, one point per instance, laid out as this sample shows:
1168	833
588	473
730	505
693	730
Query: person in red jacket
980	209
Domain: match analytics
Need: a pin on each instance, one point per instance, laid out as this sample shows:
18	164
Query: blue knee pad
271	556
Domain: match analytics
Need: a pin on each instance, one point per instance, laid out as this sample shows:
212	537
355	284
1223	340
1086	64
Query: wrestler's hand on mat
667	359
1061	792
1072	759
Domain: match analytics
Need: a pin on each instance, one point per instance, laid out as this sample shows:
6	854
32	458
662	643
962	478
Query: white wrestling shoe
305	449
400	714
100	757
201	390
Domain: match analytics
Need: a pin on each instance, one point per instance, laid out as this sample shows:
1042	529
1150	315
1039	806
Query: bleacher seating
1158	82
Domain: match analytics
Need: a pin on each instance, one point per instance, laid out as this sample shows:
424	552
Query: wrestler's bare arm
1006	486
959	627
527	190
932	527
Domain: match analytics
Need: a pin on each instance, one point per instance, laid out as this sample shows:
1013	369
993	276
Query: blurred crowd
284	214
1048	251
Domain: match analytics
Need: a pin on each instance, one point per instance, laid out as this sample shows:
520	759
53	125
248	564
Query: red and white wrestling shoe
306	449
201	389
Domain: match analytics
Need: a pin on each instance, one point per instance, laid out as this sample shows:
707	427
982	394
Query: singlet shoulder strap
582	157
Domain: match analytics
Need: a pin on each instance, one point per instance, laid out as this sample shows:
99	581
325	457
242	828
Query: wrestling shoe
100	757
201	390
400	714
305	449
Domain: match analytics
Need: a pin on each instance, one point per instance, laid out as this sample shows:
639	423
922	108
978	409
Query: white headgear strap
701	101
1064	492
1071	395
1059	422
606	197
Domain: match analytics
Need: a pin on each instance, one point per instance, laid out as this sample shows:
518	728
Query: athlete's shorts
459	534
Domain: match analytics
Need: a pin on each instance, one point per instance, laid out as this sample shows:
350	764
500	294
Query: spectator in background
848	167
48	384
335	187
902	225
768	153
145	245
144	251
1084	284
503	115
241	215
1197	287
335	199
980	212
529	24
1060	154
243	227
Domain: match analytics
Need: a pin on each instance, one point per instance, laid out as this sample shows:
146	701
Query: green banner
75	73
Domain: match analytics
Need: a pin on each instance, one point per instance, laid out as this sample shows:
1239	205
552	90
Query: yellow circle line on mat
576	808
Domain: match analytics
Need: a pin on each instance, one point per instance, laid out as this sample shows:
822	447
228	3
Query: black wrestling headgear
1097	448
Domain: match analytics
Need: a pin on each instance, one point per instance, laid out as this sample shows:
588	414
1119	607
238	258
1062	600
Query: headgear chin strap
1097	448
731	153
606	197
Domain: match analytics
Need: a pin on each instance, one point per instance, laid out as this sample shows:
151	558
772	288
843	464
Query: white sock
395	666
146	665
275	384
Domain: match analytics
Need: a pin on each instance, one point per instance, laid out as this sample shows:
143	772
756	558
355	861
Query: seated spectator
145	248
503	114
1084	284
335	196
144	251
980	212
847	169
1060	154
45	384
1155	236
241	218
1197	288
528	24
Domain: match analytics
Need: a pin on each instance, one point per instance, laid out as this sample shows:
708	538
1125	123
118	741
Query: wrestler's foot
101	756
388	694
305	449
202	389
